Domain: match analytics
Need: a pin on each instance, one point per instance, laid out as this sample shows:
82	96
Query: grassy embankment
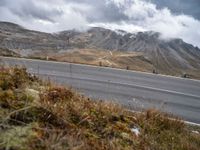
39	115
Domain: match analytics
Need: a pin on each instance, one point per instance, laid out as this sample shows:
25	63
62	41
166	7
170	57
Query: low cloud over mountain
174	19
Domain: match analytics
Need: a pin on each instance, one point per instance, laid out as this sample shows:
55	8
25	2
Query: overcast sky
172	18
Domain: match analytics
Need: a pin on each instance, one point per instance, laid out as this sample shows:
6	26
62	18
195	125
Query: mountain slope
167	56
25	42
174	53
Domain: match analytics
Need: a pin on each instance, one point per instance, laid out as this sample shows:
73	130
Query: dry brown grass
63	119
115	59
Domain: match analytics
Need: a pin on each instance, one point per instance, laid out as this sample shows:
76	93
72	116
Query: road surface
135	90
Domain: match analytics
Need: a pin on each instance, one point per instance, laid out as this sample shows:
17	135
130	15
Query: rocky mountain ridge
164	54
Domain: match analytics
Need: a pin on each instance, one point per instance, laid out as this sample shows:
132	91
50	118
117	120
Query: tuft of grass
34	115
17	137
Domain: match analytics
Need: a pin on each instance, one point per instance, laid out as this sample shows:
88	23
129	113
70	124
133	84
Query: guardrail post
100	63
38	70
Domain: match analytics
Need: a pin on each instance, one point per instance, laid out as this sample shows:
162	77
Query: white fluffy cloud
129	15
146	16
44	15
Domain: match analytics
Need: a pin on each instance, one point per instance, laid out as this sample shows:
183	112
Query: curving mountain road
135	90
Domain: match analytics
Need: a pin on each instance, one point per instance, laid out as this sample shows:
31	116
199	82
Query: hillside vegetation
39	115
115	59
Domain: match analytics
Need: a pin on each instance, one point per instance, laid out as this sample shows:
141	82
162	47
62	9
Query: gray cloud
29	9
189	7
101	11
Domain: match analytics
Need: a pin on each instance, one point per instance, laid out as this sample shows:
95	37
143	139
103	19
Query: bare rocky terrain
174	56
26	42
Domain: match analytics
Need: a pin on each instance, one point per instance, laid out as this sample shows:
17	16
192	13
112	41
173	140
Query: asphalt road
135	90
